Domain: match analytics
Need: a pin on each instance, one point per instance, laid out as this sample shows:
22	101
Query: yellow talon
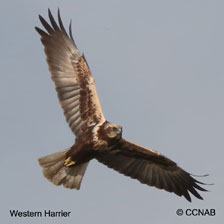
68	162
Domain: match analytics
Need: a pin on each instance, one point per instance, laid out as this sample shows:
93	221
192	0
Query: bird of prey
97	138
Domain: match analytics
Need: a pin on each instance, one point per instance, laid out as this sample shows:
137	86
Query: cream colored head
113	131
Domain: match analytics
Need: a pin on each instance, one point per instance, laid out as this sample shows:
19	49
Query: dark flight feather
162	172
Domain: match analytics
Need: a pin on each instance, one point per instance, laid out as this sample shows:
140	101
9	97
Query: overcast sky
158	68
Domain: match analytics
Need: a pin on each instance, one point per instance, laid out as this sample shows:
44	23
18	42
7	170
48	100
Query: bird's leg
68	162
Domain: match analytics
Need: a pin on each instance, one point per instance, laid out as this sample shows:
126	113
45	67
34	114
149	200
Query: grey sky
158	68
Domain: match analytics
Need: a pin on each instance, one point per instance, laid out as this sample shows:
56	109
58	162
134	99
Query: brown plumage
96	137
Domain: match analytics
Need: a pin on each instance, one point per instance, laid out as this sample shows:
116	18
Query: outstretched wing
71	75
151	168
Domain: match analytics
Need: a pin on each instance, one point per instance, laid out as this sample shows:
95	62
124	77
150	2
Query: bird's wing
151	168
72	77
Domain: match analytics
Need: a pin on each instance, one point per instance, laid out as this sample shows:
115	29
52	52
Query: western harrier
96	138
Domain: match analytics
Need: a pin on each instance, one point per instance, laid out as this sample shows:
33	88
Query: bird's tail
55	171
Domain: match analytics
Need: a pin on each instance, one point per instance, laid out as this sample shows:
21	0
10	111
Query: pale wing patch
98	142
96	103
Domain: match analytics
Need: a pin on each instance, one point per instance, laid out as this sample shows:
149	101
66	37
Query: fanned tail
55	171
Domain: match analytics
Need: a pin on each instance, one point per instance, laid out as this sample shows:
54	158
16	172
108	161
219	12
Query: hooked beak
119	131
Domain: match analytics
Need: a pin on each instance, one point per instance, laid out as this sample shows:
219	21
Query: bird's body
94	143
96	138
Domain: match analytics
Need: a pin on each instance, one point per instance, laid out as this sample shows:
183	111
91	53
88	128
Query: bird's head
113	131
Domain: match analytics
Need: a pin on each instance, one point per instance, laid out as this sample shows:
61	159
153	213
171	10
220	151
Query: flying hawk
97	138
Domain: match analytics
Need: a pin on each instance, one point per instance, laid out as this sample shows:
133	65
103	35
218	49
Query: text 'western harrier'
96	138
